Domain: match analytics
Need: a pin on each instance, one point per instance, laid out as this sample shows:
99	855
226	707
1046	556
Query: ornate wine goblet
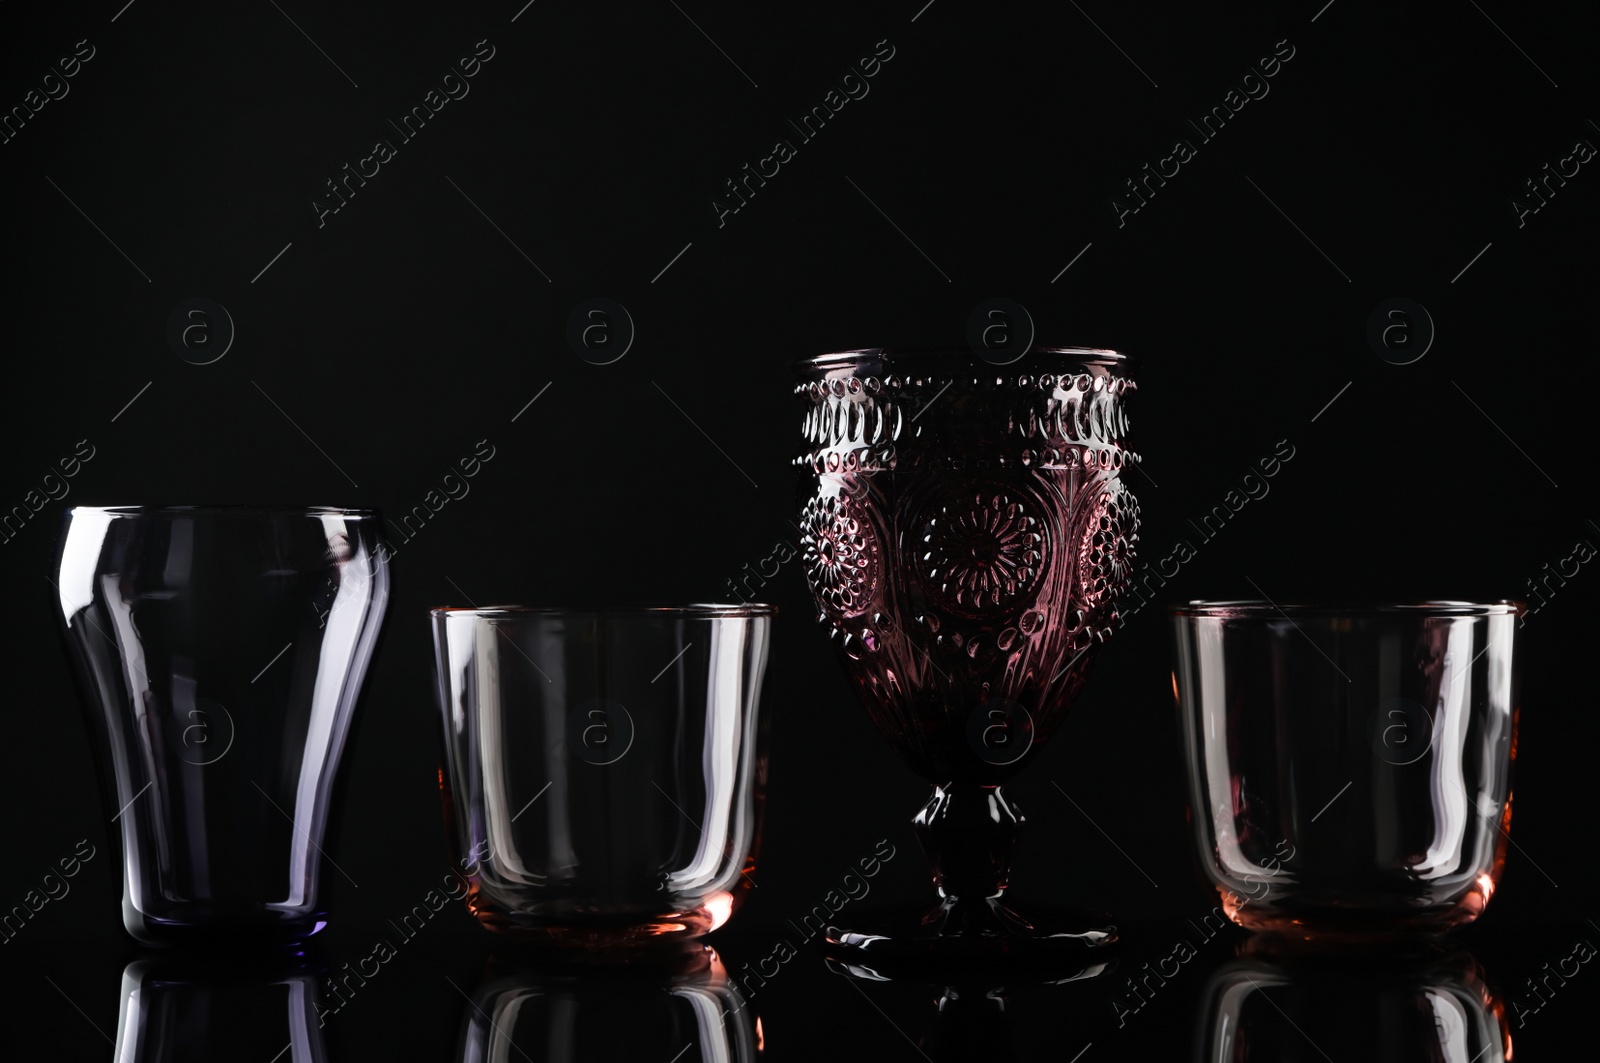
966	532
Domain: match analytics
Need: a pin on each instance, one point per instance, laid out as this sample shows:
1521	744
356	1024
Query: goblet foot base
989	931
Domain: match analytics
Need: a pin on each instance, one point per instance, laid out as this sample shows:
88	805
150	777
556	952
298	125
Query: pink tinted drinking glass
1349	767
603	768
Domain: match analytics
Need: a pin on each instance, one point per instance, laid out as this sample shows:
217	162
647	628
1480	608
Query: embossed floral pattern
840	555
980	548
1105	551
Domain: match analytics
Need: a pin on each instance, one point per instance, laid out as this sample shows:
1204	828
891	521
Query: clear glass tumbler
220	651
1349	767
603	770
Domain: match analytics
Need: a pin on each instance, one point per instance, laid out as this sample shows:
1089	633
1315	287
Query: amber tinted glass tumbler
603	769
1349	767
966	531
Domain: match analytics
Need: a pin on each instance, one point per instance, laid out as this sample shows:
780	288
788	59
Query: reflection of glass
219	651
604	769
674	1006
1433	1004
973	1011
1349	768
178	1009
966	531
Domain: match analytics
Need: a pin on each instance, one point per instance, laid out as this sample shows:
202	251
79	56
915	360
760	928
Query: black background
382	346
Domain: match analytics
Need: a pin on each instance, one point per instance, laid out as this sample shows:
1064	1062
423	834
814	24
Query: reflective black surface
1281	1002
178	1008
680	1001
456	993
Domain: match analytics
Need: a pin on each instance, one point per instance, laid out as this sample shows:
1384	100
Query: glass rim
1252	608
1083	356
697	610
228	509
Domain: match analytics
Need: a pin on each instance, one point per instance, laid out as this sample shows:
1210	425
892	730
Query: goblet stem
968	832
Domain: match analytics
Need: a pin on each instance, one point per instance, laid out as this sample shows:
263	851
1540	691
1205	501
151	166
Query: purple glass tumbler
220	651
